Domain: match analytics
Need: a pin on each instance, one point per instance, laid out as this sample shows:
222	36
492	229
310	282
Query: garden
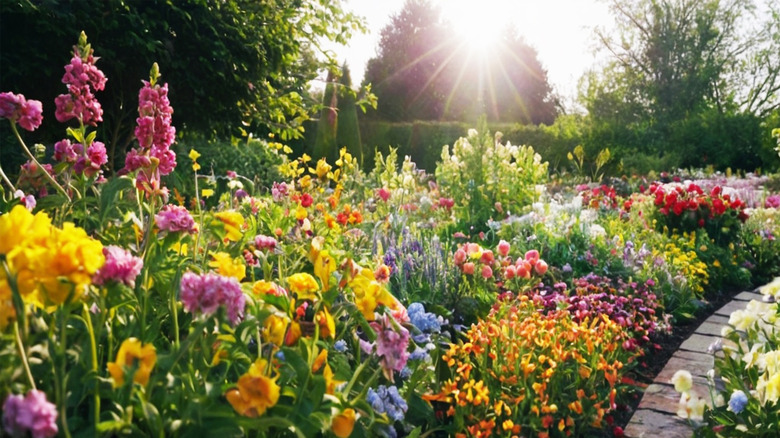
488	297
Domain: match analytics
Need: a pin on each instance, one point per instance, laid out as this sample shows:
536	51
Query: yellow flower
301	213
274	328
320	360
322	168
369	293
20	226
326	323
682	381
133	355
324	265
206	193
7	310
194	155
233	221
255	392
343	423
227	266
304	285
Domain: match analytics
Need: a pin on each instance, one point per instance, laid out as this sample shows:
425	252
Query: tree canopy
228	63
687	77
423	71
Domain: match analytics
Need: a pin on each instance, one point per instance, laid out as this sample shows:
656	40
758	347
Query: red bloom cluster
602	196
699	205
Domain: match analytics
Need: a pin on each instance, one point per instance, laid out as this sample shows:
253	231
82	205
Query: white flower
682	381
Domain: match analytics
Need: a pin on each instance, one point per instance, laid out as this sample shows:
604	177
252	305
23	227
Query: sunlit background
560	30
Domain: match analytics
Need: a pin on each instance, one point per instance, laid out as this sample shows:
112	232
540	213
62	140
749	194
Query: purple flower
772	201
154	128
173	218
31	414
89	165
28	113
205	293
265	242
121	266
67	152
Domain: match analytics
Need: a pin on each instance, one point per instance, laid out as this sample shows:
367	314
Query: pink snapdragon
205	293
17	109
82	78
121	267
174	218
265	242
31	414
392	343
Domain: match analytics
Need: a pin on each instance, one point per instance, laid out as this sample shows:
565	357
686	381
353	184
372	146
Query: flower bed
335	302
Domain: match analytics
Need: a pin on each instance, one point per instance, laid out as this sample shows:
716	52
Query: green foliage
327	126
488	179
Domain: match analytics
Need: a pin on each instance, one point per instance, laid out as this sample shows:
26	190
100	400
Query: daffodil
255	391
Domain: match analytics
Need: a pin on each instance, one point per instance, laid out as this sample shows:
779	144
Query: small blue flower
340	346
738	401
280	355
387	400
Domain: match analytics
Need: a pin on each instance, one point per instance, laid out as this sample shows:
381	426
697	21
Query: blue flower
387	400
738	401
426	322
340	346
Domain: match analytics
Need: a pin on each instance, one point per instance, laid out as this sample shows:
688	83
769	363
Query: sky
560	30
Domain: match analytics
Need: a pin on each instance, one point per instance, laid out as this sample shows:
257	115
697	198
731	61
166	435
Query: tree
348	130
674	79
228	63
327	126
424	72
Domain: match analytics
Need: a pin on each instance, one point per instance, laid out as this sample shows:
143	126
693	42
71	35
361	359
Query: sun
478	25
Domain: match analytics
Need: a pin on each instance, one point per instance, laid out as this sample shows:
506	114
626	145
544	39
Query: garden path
656	415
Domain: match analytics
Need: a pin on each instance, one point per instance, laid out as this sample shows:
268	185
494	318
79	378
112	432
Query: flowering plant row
329	303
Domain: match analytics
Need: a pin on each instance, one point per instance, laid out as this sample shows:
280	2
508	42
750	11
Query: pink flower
510	272
540	267
174	218
460	256
121	267
532	256
66	152
265	242
154	121
383	194
82	78
17	109
468	268
96	157
391	345
487	272
523	268
487	257
31	414
772	201
503	248
205	293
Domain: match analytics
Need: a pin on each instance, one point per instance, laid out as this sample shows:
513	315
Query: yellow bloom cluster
51	265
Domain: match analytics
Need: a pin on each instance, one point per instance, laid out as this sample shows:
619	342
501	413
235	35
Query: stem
23	354
6	180
61	392
175	312
93	346
32	157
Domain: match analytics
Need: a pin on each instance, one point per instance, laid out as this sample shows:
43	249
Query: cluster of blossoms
120	267
87	163
31	415
510	367
601	197
205	293
155	135
392	344
82	78
772	201
690	405
17	109
691	201
632	306
50	264
387	400
175	218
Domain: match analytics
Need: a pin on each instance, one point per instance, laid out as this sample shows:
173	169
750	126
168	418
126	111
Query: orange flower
255	392
343	423
133	354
